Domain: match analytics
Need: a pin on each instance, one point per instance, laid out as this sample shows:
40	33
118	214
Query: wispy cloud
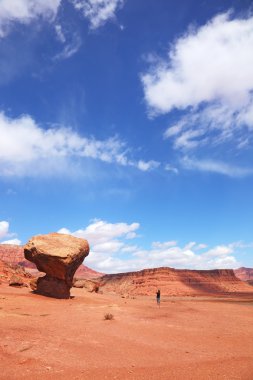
171	168
71	47
98	11
26	149
25	12
215	167
28	12
147	165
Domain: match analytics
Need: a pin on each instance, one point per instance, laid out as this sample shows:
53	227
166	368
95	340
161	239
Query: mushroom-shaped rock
59	256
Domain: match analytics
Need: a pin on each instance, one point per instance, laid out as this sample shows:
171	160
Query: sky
130	124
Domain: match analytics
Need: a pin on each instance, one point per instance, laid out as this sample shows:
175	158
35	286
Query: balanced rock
59	256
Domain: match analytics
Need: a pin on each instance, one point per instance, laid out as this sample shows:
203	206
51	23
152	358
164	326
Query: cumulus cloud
112	250
98	11
207	76
211	63
5	233
100	231
26	149
25	11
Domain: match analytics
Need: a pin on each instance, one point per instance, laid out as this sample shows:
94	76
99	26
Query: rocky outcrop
175	282
12	273
59	256
17	281
89	285
244	274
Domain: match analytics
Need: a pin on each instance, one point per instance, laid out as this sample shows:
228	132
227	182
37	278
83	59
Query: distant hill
85	272
244	274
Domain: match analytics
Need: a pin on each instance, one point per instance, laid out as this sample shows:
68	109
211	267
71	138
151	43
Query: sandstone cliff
244	274
14	254
175	282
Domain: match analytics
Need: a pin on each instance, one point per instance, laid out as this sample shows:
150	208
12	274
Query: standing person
158	297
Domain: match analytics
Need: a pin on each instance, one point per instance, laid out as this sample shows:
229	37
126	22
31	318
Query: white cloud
100	231
11	241
70	48
59	33
220	250
211	63
170	168
215	167
25	11
208	76
112	253
4	233
147	165
165	245
26	149
4	228
98	11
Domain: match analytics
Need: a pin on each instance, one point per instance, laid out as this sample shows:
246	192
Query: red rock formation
59	256
9	271
175	282
14	254
244	274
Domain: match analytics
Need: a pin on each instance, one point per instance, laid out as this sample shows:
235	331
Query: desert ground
186	338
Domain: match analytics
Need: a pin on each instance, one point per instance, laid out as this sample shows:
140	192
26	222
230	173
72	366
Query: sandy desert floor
187	338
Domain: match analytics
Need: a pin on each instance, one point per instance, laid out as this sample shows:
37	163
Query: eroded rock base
50	287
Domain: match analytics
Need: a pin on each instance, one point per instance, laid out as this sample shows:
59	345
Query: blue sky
129	123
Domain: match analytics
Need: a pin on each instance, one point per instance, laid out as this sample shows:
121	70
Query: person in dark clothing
158	297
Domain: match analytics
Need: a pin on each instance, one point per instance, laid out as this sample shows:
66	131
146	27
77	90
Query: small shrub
108	317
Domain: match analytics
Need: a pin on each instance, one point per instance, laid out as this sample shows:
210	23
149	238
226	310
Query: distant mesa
59	256
175	282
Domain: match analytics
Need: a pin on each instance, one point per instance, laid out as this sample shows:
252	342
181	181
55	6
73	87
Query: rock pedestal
59	256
